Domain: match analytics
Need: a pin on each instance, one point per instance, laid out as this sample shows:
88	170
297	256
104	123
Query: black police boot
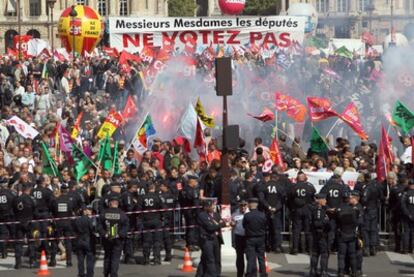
18	264
4	254
52	262
146	260
312	272
373	251
157	260
324	274
168	257
365	253
359	273
293	252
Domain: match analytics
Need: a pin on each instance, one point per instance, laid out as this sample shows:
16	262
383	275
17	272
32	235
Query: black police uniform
190	197
152	226
113	228
128	205
335	191
169	202
407	207
6	215
394	202
210	242
63	207
85	229
24	208
320	241
371	199
272	198
348	220
43	198
301	195
254	224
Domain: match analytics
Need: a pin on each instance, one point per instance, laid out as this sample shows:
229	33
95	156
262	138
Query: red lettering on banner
255	36
233	36
205	36
148	40
218	37
270	39
285	40
188	36
167	40
126	39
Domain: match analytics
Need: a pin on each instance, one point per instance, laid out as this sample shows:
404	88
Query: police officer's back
169	201
6	214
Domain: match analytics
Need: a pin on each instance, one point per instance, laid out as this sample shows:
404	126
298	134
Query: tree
262	7
177	8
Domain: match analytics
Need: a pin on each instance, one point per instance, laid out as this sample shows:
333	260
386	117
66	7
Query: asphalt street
384	264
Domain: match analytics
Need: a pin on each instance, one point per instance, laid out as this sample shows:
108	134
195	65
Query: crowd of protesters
98	84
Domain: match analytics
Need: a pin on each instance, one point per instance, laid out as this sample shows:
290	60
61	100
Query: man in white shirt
239	236
27	159
19	90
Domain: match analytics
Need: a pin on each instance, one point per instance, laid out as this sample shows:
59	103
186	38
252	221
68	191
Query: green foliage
262	7
178	8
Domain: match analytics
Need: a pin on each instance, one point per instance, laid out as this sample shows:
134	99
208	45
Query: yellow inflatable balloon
81	32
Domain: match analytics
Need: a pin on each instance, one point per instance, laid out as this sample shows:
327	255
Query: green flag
117	168
49	166
403	117
82	162
105	154
318	145
344	52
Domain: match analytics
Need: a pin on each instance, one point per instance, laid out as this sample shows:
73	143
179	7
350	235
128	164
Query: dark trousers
210	262
332	232
44	233
129	241
113	249
240	246
397	223
63	229
300	223
275	224
152	239
255	251
24	230
84	252
192	234
347	248
6	232
370	228
319	251
408	232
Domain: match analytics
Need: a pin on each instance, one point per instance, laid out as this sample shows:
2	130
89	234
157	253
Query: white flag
35	46
188	124
24	129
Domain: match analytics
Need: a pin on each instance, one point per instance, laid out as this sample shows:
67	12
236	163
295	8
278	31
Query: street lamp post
73	14
19	29
51	5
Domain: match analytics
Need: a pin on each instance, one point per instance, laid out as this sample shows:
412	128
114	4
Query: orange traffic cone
268	270
188	264
43	270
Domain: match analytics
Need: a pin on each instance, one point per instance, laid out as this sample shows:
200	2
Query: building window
34	33
342	6
82	2
102	7
322	6
35	7
364	24
123	7
9	38
363	4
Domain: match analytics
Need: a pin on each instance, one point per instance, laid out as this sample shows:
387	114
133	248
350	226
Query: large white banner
134	33
319	179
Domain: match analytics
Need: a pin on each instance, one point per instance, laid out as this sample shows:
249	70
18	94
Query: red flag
351	117
21	40
320	108
275	154
125	56
12	52
130	108
266	115
385	156
295	109
111	52
182	141
200	141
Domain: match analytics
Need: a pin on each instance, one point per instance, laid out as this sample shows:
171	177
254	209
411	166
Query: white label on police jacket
62	207
112	216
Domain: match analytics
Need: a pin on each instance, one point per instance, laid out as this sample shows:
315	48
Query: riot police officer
85	229
151	222
320	242
210	224
190	197
372	197
254	224
301	196
169	202
335	191
24	208
394	203
407	207
348	219
114	190
6	215
63	207
129	202
272	198
113	228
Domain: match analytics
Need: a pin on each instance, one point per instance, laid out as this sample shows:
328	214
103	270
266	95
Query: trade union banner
132	34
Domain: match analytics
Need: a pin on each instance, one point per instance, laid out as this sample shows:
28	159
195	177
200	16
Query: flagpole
135	134
276	125
333	127
287	135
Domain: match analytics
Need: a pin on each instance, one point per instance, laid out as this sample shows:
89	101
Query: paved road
385	264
